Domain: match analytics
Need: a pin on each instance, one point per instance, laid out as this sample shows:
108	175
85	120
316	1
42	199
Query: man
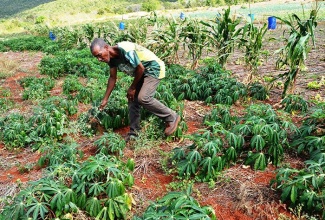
147	70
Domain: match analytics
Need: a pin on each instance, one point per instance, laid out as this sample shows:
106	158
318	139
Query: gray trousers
144	96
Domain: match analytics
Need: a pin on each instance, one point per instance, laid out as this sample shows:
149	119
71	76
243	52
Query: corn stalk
252	41
294	53
195	39
165	41
223	35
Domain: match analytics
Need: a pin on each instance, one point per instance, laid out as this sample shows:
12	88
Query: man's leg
147	100
134	111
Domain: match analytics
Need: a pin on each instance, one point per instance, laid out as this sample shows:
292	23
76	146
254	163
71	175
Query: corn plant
224	35
168	36
294	53
177	205
138	30
195	37
252	41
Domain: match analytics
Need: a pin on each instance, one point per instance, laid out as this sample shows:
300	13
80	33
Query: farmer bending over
147	70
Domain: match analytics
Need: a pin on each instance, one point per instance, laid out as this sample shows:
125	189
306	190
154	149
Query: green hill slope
12	7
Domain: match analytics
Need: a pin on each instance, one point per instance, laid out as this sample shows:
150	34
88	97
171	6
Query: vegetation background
19	16
237	188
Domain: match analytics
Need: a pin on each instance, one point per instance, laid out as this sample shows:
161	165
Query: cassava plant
258	91
294	103
110	143
304	187
177	205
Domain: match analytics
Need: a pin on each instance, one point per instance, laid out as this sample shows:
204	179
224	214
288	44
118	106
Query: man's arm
138	73
110	86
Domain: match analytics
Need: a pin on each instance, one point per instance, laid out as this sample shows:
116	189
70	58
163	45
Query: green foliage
5	104
294	103
150	5
211	87
98	186
252	41
223	34
110	143
55	154
314	85
258	91
14	130
167	35
311	137
104	176
304	187
68	107
78	62
195	38
294	53
177	205
29	42
258	137
48	123
39	198
71	85
36	88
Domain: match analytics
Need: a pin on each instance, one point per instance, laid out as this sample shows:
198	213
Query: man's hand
130	94
102	105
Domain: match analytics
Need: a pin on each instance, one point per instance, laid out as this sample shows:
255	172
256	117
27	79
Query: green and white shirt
131	55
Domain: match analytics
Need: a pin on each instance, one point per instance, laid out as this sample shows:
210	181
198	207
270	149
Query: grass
7	68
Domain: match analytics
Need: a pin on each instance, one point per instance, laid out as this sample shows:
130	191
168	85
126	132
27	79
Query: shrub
150	5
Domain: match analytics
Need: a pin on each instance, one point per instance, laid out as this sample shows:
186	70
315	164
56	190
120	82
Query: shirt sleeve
133	58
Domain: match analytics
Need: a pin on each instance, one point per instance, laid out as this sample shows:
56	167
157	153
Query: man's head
100	49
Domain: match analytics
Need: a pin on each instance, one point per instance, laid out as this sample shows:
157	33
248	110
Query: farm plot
239	150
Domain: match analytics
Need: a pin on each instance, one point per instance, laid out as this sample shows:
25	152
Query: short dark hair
97	42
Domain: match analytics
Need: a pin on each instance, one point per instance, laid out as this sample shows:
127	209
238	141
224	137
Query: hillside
12	7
